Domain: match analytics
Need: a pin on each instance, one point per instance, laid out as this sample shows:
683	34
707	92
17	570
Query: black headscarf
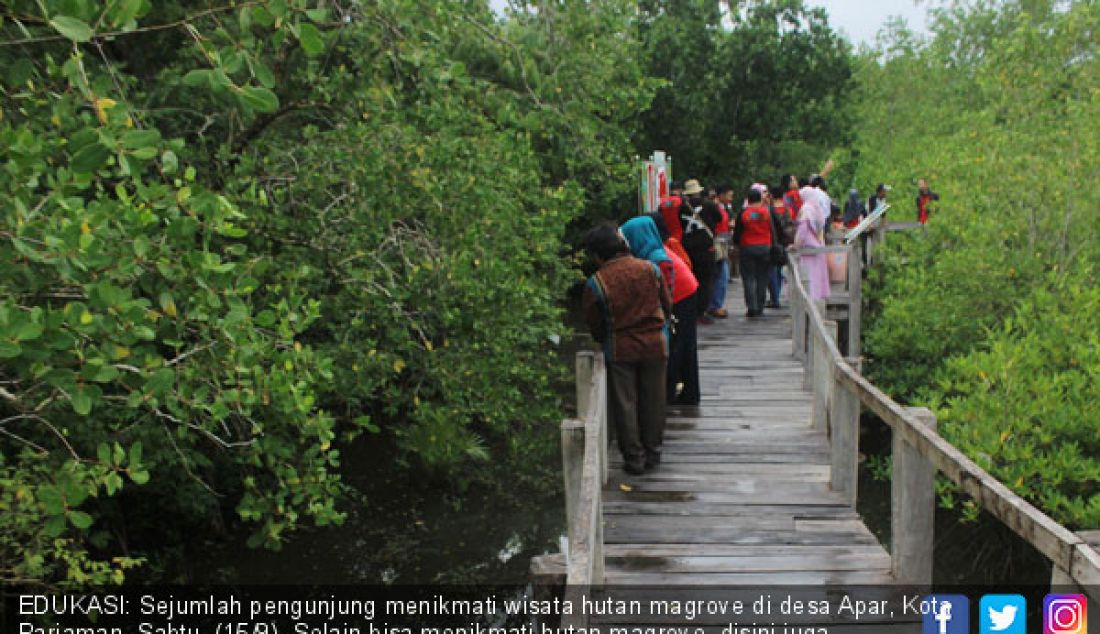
854	209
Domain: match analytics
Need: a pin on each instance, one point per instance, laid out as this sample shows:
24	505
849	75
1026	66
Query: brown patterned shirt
626	305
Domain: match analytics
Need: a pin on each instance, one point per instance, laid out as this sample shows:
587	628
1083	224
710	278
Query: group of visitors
662	274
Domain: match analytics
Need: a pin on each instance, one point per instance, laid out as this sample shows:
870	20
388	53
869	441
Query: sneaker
634	468
719	313
652	461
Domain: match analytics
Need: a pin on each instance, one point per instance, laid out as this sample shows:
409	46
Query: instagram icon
1065	614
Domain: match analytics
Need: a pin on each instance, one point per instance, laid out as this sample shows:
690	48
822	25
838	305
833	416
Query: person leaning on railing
627	306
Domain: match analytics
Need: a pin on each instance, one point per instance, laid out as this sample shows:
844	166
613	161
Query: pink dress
811	221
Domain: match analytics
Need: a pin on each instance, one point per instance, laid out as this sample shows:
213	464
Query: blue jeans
775	283
721	283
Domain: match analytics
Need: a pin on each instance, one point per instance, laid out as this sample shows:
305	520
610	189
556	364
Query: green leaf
28	332
135	139
51	500
9	349
259	99
310	37
169	162
90	158
125	11
161	380
140	476
144	153
103	453
80	519
72	28
82	402
54	526
198	77
135	454
263	74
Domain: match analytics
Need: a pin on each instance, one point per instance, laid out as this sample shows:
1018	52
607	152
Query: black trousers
636	391
703	265
755	264
683	356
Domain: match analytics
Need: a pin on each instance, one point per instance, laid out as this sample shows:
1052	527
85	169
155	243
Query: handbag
777	255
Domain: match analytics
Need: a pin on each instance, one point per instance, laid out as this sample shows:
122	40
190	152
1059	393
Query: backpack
787	226
697	235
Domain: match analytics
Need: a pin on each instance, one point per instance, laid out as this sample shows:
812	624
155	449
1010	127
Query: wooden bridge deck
742	495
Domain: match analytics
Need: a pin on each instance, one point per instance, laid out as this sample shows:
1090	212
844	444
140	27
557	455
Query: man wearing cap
878	198
700	218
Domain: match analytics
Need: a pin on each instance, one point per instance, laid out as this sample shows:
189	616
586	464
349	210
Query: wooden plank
785	562
819	458
807	496
691	509
674	525
774	578
637	533
740	550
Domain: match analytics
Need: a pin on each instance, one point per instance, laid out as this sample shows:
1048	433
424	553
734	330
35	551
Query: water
405	528
402	529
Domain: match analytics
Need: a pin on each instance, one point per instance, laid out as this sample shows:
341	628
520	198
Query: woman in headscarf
812	221
854	210
683	355
641	235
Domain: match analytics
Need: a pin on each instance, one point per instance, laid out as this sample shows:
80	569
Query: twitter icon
1003	614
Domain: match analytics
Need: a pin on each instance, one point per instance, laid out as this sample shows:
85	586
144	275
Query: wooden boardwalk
742	496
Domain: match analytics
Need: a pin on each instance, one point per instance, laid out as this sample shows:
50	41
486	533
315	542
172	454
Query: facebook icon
945	614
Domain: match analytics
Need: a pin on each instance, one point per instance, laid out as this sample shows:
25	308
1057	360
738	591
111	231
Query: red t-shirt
724	223
670	211
793	200
757	223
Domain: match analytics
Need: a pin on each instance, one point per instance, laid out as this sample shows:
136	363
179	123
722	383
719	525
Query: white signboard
655	176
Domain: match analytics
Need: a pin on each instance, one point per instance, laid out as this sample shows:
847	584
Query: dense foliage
751	94
237	236
990	316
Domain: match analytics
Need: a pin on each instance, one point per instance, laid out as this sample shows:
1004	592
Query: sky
860	20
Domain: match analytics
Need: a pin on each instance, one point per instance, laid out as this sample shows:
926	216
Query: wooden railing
585	469
919	452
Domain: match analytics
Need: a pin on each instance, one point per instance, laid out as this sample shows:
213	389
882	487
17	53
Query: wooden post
798	320
913	508
572	467
586	361
810	348
1061	581
601	420
855	300
821	372
844	441
597	543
